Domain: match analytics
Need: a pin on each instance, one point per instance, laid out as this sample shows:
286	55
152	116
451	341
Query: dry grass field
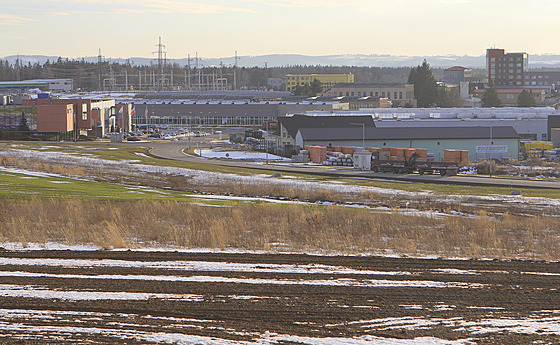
291	228
323	219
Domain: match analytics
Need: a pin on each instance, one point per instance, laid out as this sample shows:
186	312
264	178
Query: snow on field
198	177
257	281
31	291
240	155
198	266
180	338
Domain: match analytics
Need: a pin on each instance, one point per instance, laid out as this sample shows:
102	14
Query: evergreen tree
490	98
425	86
316	87
526	99
449	98
23	126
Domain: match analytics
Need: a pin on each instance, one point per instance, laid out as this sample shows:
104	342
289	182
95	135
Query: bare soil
245	312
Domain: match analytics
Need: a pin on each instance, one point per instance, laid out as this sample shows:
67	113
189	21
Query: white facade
63	85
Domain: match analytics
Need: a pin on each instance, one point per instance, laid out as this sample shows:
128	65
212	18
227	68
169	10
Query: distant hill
276	60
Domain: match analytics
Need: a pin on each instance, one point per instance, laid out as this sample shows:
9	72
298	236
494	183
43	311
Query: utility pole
197	71
160	64
234	74
266	75
99	62
189	70
18	69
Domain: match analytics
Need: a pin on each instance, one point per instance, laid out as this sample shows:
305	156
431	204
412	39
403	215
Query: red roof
457	68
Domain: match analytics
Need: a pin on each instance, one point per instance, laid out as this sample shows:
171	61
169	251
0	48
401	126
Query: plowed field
142	297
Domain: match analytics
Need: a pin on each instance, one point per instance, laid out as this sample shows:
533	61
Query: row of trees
490	99
104	75
108	75
429	94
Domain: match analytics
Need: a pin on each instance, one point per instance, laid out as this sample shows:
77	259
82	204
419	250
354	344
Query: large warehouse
530	123
485	132
481	142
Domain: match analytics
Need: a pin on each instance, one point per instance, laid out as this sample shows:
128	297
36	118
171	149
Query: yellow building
327	80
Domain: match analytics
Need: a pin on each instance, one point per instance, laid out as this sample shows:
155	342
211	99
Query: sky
218	28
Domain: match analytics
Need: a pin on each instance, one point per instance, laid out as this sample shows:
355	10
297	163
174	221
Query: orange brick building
89	117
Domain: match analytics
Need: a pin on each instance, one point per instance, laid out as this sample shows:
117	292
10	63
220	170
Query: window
376	94
395	95
371	94
352	93
400	95
383	94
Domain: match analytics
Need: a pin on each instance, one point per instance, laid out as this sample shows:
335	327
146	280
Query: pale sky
217	28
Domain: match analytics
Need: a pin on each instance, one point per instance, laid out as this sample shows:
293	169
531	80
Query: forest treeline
106	75
91	76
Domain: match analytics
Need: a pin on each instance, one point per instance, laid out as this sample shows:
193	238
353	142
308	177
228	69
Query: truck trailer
381	162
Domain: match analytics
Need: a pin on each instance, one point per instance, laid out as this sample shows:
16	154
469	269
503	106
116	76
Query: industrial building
61	85
327	80
481	142
90	117
400	94
483	131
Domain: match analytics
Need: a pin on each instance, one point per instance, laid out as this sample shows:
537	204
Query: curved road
174	151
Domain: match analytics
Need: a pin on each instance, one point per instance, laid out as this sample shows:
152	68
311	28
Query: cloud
143	6
179	6
8	19
313	3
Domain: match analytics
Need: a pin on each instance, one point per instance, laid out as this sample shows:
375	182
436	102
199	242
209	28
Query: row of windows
396	95
204	120
509	65
540	76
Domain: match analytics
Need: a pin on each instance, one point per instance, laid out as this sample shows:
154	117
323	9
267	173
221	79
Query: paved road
174	150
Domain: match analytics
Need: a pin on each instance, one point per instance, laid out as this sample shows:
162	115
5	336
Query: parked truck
381	162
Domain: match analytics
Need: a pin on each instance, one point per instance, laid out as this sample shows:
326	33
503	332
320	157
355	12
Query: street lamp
491	150
363	132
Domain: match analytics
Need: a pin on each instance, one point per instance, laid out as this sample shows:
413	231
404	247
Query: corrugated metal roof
296	122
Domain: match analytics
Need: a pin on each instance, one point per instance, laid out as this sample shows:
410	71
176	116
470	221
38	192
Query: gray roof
368	85
406	133
295	122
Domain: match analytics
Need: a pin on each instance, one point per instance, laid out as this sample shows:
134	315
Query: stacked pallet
464	157
422	153
408	153
460	157
396	153
317	154
348	150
